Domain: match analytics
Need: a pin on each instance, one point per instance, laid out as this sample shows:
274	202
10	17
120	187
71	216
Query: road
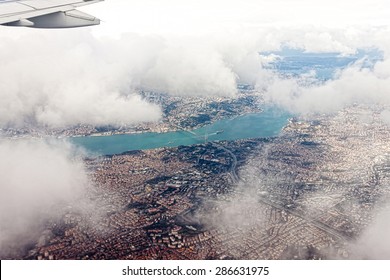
317	224
233	166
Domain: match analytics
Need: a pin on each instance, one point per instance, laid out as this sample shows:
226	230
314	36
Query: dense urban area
306	194
178	114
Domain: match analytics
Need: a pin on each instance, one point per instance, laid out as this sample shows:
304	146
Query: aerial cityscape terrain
308	193
204	130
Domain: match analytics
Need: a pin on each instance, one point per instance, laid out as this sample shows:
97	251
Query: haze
59	78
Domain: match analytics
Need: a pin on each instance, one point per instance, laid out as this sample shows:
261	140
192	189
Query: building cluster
305	194
178	114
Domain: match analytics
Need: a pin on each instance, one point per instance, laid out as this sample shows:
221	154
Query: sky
202	16
56	78
185	48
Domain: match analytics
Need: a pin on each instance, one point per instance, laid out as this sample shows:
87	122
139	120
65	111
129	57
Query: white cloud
191	69
385	116
353	85
60	78
38	181
374	242
203	16
67	78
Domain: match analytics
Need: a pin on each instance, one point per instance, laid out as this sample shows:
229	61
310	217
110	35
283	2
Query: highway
233	166
313	222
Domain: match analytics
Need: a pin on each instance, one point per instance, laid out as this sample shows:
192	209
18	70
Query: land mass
307	194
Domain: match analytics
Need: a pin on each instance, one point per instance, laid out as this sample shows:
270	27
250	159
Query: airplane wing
46	13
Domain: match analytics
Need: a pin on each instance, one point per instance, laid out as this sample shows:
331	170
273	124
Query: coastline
246	126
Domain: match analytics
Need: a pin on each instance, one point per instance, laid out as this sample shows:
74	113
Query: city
307	194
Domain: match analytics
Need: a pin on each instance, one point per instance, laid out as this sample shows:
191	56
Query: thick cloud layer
354	85
38	181
61	78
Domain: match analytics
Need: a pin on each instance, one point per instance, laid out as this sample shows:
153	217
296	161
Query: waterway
265	124
268	123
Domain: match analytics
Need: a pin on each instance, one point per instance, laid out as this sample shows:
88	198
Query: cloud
67	77
385	116
202	16
374	242
60	79
361	82
38	181
190	69
353	85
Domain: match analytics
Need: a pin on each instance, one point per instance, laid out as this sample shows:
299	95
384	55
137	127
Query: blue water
293	63
265	124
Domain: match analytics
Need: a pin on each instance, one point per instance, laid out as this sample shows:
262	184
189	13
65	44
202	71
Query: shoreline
246	126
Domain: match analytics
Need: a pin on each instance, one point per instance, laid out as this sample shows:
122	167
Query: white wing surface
46	13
